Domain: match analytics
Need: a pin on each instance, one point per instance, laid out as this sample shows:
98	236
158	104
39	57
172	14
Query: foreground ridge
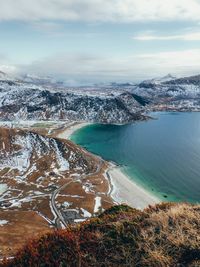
163	235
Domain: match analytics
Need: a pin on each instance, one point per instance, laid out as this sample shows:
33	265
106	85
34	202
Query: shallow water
162	155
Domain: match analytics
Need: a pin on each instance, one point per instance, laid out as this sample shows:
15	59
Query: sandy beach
126	191
71	128
123	190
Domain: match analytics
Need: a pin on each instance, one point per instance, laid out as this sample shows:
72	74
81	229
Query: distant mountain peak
2	74
168	77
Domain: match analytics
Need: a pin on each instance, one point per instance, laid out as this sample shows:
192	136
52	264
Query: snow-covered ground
3	188
20	101
3	222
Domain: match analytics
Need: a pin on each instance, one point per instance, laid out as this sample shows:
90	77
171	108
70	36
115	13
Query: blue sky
100	40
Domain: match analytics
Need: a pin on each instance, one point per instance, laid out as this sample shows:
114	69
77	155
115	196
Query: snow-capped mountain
39	80
45	99
27	101
195	80
170	93
168	77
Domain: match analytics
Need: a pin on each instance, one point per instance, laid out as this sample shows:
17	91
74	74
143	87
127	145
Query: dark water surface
162	155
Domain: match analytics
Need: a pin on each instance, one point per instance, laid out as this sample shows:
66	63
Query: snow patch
3	188
97	205
3	222
86	213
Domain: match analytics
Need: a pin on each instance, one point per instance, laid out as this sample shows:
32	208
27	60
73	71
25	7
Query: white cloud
6	65
188	60
191	55
100	10
102	68
80	65
195	36
9	69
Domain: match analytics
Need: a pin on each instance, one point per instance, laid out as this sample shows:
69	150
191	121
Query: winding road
59	220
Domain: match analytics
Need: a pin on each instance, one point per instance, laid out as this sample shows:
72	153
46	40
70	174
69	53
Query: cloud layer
195	36
100	10
130	68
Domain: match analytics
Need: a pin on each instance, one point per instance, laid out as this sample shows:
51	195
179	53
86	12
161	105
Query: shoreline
71	128
123	189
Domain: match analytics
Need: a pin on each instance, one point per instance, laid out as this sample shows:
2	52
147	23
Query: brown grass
21	226
163	235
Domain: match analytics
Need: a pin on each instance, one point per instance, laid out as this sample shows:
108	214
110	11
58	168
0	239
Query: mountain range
35	98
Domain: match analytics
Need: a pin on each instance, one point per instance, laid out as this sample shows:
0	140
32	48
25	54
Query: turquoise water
162	155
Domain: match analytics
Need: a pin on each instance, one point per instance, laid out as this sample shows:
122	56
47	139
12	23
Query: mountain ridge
115	103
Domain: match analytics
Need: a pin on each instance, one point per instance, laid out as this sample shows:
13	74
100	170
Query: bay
162	155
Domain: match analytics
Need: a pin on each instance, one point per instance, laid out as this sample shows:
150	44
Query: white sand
126	191
71	128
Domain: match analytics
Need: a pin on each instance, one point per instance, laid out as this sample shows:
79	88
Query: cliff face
25	101
164	235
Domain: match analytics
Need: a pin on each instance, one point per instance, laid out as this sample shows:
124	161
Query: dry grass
163	235
172	232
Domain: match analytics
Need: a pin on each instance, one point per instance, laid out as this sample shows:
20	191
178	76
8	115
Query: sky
83	41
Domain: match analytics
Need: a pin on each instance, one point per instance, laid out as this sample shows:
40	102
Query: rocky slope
27	101
49	179
170	93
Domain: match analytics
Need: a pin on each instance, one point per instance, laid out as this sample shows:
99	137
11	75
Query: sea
162	154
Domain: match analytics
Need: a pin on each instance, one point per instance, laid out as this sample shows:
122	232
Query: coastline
123	189
71	128
127	191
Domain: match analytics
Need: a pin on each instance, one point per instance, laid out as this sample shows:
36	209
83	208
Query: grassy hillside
163	235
